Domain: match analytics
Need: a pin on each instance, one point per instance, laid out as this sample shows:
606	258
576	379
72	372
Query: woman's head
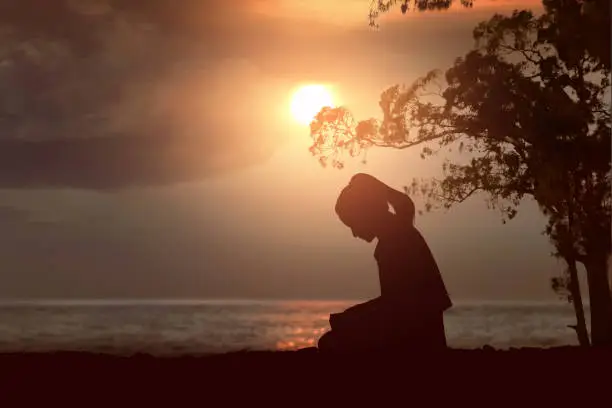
362	208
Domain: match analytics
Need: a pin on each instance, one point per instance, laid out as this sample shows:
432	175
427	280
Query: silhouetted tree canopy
529	108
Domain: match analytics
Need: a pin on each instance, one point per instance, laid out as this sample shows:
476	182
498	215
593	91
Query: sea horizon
243	300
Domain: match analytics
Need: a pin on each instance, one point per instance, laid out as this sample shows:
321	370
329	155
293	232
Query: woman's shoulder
400	233
400	241
396	240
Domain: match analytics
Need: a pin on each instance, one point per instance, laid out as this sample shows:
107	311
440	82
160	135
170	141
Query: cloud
116	162
112	94
10	216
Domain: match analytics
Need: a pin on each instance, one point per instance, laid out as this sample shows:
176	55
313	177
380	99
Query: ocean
201	327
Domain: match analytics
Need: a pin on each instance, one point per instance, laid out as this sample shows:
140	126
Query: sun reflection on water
300	338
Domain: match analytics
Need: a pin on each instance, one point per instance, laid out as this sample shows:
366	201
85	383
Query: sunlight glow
308	100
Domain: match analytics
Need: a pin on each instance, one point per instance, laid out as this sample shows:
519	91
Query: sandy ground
564	376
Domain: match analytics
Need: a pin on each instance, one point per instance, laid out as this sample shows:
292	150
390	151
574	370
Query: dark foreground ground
482	377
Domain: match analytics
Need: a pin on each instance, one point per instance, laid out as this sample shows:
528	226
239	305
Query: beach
560	375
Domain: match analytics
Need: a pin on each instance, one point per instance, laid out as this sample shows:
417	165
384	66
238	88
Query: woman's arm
359	312
402	204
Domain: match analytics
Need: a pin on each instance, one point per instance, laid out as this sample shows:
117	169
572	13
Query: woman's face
362	212
366	234
361	228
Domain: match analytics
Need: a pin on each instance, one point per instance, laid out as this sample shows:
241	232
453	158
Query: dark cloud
82	24
109	94
10	216
115	162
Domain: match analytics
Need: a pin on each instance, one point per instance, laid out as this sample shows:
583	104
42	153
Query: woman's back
409	275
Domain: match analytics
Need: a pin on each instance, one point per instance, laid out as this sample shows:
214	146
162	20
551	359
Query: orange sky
265	227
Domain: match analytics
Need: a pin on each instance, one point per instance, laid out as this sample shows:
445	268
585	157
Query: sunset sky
244	210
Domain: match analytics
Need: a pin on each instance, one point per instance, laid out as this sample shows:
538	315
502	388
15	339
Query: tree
529	108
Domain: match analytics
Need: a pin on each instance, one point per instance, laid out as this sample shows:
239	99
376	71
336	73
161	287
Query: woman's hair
369	197
357	201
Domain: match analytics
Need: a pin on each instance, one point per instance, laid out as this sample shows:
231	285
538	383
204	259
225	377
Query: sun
308	100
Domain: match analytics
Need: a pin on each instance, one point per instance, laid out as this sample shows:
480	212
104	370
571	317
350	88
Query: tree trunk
574	288
574	285
600	300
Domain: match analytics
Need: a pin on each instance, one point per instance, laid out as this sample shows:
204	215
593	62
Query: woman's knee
328	341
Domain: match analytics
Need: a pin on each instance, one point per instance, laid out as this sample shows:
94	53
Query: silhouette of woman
409	312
